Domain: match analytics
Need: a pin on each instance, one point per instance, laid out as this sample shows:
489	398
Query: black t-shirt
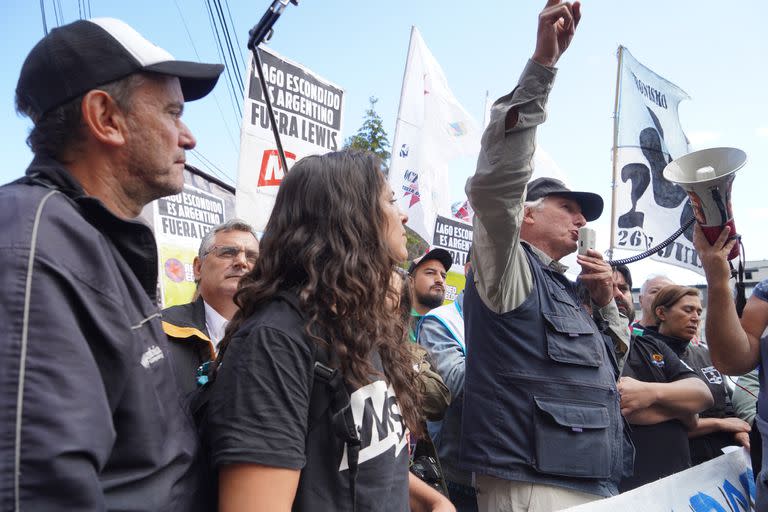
660	449
259	413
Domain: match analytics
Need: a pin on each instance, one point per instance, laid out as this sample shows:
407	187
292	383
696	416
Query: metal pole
614	186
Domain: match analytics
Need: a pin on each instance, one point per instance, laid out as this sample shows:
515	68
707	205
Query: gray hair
61	128
535	204
231	225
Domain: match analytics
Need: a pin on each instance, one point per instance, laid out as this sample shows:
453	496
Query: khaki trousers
498	495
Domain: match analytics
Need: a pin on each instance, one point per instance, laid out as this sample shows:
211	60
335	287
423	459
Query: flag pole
614	182
402	91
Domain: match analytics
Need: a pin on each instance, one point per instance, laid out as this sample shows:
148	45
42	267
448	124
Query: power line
56	13
61	12
42	12
237	40
80	8
215	96
212	167
228	40
228	76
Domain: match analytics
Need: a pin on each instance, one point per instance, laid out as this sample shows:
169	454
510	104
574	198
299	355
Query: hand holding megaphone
707	177
714	256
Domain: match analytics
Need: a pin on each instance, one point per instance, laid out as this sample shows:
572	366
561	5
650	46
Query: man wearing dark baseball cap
427	274
93	418
541	423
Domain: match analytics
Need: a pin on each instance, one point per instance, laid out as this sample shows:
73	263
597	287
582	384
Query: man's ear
528	215
103	118
197	266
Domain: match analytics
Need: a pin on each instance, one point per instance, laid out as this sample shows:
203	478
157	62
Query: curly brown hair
325	241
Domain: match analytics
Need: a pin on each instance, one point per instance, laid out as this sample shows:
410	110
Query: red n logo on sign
271	173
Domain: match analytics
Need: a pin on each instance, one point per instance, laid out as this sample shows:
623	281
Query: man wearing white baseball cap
92	417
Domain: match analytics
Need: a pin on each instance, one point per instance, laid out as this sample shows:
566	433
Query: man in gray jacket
541	425
92	416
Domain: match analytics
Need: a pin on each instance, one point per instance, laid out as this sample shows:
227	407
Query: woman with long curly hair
320	294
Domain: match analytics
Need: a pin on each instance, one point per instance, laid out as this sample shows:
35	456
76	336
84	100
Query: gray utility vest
540	398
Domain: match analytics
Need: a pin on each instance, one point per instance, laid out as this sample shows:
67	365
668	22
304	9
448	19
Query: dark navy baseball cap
591	204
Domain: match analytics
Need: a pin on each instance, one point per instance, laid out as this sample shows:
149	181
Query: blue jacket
84	358
446	346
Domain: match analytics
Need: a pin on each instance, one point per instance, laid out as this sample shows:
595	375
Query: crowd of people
312	371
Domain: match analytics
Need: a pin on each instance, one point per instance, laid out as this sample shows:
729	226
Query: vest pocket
571	438
572	340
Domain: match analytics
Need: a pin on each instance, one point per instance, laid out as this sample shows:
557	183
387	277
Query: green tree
416	245
371	136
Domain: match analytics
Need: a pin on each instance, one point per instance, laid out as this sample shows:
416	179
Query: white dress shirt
215	324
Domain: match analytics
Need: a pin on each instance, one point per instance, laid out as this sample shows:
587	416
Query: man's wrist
547	62
656	392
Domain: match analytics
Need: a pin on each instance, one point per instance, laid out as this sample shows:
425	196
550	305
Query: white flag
432	129
649	208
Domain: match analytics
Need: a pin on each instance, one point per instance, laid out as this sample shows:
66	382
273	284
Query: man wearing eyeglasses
226	254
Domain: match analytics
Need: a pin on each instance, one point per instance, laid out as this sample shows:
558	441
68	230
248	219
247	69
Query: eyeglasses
229	252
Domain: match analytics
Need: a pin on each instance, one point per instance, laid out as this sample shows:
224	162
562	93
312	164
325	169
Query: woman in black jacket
287	434
717	426
660	394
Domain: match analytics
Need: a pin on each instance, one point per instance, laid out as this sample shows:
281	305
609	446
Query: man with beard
92	417
226	254
427	275
622	291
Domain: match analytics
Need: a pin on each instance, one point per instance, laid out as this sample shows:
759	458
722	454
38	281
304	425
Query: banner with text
649	208
455	237
308	113
180	222
724	484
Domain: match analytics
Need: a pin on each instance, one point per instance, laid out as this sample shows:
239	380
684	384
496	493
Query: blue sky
715	51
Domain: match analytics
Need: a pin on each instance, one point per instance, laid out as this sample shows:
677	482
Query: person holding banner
736	345
316	389
541	425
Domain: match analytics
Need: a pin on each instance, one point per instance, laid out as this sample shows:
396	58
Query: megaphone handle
713	232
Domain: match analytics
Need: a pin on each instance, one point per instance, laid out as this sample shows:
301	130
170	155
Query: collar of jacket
545	259
187	323
133	239
678	345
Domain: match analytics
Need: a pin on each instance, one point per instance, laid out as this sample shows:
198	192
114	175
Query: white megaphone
707	176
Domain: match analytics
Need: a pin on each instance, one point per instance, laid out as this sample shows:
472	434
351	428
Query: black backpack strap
331	396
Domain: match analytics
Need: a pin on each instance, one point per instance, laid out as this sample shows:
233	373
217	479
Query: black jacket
85	358
708	446
190	344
